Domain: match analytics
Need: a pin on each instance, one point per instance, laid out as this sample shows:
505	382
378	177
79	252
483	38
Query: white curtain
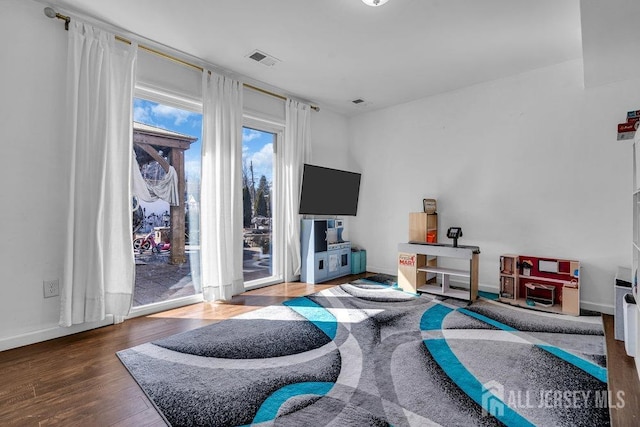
221	191
296	152
98	276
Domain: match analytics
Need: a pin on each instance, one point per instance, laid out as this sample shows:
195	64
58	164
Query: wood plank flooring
622	377
79	381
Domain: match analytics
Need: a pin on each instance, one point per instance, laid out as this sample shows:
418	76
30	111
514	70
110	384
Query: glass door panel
258	210
165	235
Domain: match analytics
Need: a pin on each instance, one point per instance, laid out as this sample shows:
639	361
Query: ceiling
334	51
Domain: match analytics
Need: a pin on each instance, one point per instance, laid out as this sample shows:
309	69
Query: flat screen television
327	191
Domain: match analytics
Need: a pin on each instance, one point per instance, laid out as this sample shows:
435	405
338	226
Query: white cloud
142	115
250	135
262	162
178	116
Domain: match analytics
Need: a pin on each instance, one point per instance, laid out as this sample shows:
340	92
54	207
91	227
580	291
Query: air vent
263	58
361	103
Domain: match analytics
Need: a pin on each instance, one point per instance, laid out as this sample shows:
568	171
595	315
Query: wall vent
263	58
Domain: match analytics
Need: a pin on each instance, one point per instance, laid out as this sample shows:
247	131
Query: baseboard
50	333
381	270
488	288
594	306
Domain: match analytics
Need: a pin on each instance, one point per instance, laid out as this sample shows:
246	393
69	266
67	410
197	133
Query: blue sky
257	146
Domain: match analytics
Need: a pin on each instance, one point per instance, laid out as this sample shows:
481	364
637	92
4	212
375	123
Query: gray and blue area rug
365	354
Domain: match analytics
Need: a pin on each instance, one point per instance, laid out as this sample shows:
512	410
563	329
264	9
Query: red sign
409	260
628	127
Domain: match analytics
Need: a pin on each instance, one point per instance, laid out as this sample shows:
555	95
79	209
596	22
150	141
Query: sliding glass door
261	242
165	235
166	238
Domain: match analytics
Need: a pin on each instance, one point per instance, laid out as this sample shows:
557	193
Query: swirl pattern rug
365	354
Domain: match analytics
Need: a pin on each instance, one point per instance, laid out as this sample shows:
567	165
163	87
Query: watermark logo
495	398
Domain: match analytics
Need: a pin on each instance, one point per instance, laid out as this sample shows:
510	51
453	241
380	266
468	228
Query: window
166	138
261	254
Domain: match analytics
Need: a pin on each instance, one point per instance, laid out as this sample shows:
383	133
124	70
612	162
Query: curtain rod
67	19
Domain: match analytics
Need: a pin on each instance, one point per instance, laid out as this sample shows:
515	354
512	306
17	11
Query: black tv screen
327	191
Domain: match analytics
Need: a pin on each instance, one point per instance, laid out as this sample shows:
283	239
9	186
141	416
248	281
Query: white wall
527	164
537	170
329	140
610	32
330	147
34	165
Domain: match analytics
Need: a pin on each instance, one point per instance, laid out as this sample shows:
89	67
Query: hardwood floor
622	377
79	381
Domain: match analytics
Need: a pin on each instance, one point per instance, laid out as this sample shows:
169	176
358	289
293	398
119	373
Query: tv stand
324	254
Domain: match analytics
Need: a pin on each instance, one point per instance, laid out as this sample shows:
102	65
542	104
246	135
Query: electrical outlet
51	288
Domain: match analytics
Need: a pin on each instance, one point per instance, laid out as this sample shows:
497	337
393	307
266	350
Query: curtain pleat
296	152
221	191
98	275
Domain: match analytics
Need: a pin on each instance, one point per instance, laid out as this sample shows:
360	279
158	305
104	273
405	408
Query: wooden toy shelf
546	284
411	274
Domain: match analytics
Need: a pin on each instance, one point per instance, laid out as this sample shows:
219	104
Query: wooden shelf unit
509	277
411	272
423	227
560	274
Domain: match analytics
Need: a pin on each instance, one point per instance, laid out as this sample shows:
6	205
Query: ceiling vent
361	103
263	58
